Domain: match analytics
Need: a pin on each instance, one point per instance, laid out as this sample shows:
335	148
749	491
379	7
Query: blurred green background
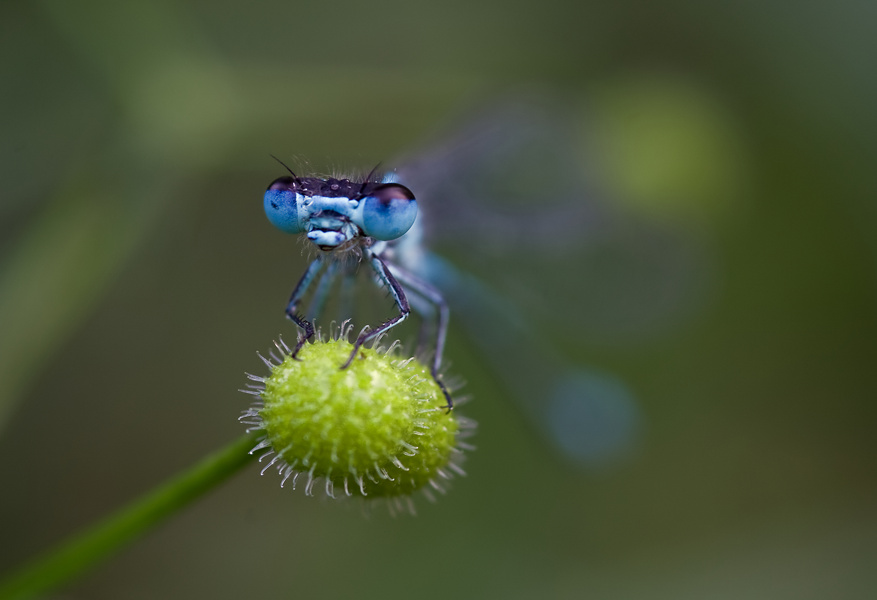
138	276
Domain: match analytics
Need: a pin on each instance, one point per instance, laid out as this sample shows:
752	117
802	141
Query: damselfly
352	221
511	195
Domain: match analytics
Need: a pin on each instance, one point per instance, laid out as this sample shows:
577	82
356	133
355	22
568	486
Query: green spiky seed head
377	428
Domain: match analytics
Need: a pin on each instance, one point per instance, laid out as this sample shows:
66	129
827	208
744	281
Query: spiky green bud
376	429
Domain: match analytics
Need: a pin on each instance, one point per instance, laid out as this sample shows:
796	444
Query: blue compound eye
388	212
281	205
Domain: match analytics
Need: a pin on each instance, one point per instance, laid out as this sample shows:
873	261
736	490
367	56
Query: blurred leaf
58	271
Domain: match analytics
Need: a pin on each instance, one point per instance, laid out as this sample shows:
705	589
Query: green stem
76	555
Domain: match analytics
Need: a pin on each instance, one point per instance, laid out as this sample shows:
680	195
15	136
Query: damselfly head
333	212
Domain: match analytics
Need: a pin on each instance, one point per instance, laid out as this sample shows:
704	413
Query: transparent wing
537	259
502	178
514	197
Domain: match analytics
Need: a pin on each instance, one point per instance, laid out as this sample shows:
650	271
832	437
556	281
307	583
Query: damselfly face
338	214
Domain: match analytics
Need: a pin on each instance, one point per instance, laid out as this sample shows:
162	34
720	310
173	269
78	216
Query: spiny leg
399	298
434	320
292	307
425	308
442	315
